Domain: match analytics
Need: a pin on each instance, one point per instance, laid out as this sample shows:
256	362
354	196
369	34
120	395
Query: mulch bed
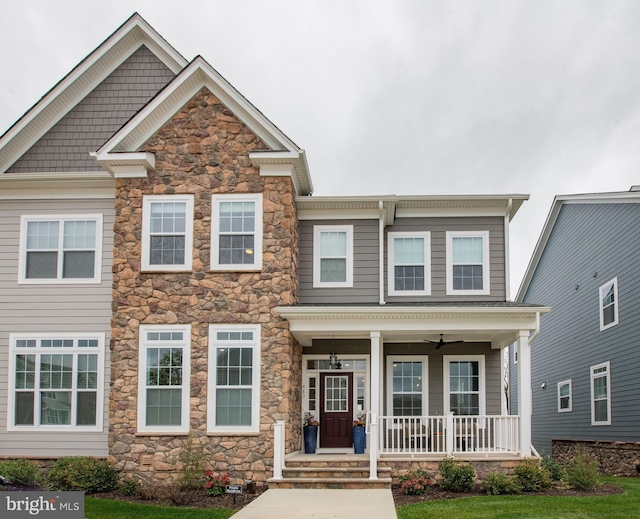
173	496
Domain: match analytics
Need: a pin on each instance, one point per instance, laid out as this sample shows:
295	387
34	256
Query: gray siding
51	308
590	244
438	228
365	265
66	146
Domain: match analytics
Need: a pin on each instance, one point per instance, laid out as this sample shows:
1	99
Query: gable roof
83	79
119	154
617	197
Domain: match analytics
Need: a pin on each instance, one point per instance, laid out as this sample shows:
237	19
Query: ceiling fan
442	342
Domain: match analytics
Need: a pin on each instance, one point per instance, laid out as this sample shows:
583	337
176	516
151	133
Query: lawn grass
97	508
619	506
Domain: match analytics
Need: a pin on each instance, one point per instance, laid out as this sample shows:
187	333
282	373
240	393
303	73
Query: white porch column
375	411
524	392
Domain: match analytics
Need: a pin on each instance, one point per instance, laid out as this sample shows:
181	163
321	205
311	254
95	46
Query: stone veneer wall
615	458
203	150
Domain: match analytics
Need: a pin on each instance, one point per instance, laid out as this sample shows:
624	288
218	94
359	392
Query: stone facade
615	458
204	150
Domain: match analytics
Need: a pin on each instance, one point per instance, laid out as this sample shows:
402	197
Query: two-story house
167	280
585	363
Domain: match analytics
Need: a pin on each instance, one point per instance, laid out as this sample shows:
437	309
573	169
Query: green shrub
20	472
531	476
556	470
498	483
129	487
86	474
414	482
193	462
582	472
456	477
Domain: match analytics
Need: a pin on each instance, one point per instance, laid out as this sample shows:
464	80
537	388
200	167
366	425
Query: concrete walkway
295	503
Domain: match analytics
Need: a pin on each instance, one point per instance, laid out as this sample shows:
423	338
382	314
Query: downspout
535	333
507	269
381	251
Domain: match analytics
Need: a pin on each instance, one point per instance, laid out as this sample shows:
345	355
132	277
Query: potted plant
359	438
310	432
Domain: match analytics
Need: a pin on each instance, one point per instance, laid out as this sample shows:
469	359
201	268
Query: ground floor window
407	381
234	378
600	395
163	378
56	382
564	396
464	385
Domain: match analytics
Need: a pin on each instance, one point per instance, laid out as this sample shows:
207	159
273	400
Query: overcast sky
393	97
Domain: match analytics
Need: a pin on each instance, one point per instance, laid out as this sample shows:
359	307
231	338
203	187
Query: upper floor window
600	394
333	256
167	232
164	378
609	304
467	262
409	263
56	382
236	232
564	396
234	378
61	249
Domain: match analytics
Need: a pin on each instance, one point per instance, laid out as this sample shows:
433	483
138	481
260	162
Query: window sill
232	433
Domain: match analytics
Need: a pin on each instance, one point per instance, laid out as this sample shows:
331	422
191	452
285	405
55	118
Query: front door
336	409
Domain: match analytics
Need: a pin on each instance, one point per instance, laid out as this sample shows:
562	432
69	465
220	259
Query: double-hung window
56	382
234	378
409	263
333	256
164	378
564	396
464	384
60	249
408	395
167	232
236	236
600	394
467	262
609	304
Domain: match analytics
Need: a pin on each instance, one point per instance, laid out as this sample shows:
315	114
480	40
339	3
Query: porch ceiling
499	325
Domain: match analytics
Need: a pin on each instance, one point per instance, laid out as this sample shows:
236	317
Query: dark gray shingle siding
66	146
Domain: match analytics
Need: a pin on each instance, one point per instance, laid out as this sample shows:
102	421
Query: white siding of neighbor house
54	308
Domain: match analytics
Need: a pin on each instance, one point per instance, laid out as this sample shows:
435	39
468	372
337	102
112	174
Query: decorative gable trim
197	75
84	78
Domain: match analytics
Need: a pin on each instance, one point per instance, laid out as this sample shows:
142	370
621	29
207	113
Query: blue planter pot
310	438
359	440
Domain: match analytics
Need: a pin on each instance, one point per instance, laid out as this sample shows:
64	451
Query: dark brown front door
336	412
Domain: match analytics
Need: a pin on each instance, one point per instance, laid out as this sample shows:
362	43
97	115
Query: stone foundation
614	458
482	467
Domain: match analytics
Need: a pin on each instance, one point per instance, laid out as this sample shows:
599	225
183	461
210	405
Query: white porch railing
448	435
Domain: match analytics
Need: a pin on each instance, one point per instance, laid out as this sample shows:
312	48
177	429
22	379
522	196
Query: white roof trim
616	197
76	85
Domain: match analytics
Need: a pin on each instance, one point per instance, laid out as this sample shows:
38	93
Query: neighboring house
168	279
585	360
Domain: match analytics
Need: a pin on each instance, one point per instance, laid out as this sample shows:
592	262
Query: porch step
319	473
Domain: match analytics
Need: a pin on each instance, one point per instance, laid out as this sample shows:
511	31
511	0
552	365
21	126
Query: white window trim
486	281
425	380
317	229
255	382
602	292
606	365
22	261
426	236
446	359
146	229
13	351
186	376
565	383
215	229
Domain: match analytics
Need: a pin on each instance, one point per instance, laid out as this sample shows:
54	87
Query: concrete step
329	482
333	472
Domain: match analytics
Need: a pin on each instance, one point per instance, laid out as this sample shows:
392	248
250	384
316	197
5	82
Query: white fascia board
55	185
197	75
126	165
351	207
285	163
80	81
